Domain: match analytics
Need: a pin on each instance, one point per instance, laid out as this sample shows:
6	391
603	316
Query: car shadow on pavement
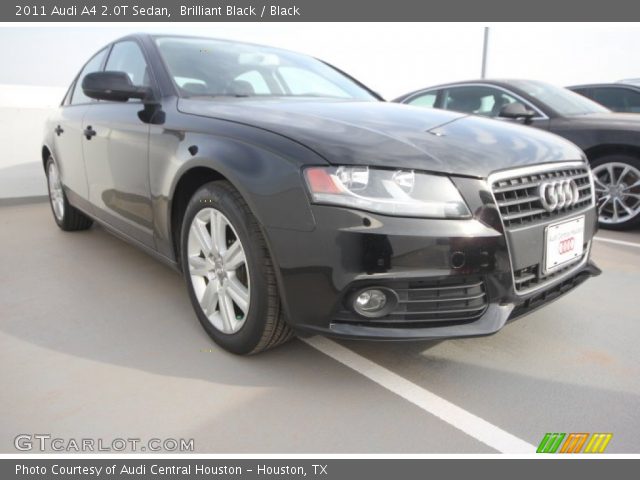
91	295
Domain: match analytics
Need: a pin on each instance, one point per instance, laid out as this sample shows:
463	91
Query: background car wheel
66	216
229	273
617	184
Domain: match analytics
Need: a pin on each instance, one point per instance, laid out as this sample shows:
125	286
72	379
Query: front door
116	152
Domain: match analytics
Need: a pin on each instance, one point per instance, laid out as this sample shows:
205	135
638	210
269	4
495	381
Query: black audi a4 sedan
294	199
611	141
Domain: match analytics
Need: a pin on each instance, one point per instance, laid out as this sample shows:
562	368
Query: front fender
264	167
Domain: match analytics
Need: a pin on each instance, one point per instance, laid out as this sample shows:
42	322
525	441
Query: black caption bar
196	468
313	10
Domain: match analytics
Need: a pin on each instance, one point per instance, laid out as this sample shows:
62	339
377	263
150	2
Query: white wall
37	63
23	110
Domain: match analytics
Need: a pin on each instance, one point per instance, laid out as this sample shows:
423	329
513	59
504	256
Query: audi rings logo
566	245
558	194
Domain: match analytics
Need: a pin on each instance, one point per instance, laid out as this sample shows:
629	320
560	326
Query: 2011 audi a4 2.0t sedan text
294	199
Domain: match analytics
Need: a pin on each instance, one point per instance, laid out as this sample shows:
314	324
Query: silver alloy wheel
56	195
617	188
218	270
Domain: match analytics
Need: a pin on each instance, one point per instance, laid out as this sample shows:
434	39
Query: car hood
391	135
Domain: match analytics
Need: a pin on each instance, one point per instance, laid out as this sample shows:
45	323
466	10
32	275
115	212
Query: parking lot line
446	411
617	242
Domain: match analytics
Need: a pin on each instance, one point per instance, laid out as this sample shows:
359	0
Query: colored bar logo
574	442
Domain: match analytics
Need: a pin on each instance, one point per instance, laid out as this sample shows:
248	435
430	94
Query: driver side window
127	57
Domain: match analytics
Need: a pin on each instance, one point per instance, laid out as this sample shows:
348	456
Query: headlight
402	193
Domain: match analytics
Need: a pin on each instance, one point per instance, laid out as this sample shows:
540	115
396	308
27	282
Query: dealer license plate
563	243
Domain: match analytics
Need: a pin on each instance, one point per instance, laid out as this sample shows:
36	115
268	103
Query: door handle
58	130
89	132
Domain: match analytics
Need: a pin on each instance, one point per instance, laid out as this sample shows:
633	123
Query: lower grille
549	295
532	276
429	303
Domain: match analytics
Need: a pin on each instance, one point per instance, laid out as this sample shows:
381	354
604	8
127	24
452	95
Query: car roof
502	82
499	82
607	85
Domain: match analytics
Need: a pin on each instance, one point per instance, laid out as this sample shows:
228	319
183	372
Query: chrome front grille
517	194
518	199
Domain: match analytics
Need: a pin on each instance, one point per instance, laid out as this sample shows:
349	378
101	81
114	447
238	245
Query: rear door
67	128
116	151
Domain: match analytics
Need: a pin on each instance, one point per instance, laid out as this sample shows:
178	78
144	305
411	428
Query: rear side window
92	65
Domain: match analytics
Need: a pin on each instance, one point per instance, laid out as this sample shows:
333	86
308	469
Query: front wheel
229	272
67	217
617	185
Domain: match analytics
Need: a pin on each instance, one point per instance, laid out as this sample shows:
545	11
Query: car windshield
206	67
563	101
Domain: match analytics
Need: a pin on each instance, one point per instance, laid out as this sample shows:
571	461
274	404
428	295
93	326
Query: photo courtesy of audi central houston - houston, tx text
317	238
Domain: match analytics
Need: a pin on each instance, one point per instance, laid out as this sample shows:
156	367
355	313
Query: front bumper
422	259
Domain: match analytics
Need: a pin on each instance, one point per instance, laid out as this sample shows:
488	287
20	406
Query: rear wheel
617	185
67	217
229	273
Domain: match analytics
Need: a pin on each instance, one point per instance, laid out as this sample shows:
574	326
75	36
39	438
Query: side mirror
516	110
114	86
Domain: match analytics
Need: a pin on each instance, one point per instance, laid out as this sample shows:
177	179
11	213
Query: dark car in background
611	141
617	97
293	198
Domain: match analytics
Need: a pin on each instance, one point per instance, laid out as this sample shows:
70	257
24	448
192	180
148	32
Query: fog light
374	302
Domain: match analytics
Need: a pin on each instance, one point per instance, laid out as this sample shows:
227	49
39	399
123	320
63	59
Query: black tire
72	218
634	163
265	326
